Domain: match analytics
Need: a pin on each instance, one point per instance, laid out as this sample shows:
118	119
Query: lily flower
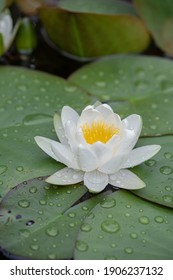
7	31
97	148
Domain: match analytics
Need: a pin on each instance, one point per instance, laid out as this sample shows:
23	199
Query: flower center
98	131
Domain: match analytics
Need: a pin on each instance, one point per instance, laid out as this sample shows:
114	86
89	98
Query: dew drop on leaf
86	228
144	220
108	202
20	168
33	189
52	256
52	231
128	250
81	246
166	170
133	235
159	219
150	162
110	226
35	247
24	203
3	169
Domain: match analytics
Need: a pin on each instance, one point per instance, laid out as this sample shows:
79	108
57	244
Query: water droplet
70	88
166	170
85	208
3	169
72	225
33	189
153	126
113	245
35	247
81	246
128	250
24	203
40	212
100	83
1	183
168	188
141	84
150	162
75	176
24	232
144	220
71	214
52	231
47	187
153	106
22	87
19	108
110	226
42	202
52	256
127	214
51	204
159	219
167	198
86	227
37	119
133	235
168	155
20	168
108	202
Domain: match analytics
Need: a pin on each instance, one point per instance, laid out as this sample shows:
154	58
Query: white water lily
97	148
6	26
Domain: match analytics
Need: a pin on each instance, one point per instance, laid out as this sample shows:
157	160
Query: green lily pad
88	23
157	172
161	24
133	84
35	221
123	226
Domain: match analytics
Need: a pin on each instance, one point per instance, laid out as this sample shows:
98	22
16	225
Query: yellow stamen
98	131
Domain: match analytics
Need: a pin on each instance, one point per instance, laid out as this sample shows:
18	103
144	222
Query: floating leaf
133	84
157	172
38	222
123	226
94	28
161	24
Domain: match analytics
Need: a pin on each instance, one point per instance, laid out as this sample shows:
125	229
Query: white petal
59	129
141	154
102	152
87	160
45	145
95	181
126	179
134	123
66	176
113	165
89	116
129	140
64	154
68	114
70	132
105	110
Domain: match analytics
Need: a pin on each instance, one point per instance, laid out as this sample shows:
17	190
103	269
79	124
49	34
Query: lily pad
161	24
129	228
32	219
157	172
88	23
133	84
